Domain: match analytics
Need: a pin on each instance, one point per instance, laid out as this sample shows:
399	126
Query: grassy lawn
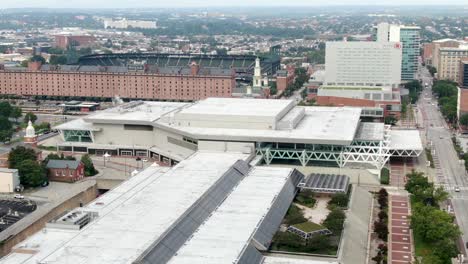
289	242
309	226
429	157
422	249
49	148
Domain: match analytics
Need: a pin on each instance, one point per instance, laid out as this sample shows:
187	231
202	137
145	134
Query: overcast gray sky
214	3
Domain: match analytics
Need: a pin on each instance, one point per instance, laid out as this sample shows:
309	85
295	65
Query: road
297	95
450	173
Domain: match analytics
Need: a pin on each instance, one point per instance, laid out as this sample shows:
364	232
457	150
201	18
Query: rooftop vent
74	220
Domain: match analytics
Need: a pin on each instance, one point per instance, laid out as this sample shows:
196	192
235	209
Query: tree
294	216
335	220
273	88
433	225
37	58
31	173
30	116
383	192
24	63
88	166
445	249
16	113
414	88
6	130
20	154
58	60
416	180
51	156
56	51
5	124
318	243
383	216
288	239
339	199
464	120
432	70
423	190
381	228
390	120
5	135
5	109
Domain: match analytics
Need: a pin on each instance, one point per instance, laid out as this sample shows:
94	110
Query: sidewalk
399	169
354	247
400	240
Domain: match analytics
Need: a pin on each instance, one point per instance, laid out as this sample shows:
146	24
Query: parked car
457	189
18	196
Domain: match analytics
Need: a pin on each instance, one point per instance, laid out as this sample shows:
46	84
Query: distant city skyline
213	3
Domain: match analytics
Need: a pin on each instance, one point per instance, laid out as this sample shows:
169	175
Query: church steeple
257	78
30	137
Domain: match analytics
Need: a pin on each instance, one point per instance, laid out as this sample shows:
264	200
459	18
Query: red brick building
66	41
65	170
386	106
285	78
164	83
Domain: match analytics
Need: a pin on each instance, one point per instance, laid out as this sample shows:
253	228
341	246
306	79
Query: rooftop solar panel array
326	183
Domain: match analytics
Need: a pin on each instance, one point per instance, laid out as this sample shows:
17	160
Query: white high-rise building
388	32
409	37
124	24
363	64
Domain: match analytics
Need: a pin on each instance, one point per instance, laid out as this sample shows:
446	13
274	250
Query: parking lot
11	211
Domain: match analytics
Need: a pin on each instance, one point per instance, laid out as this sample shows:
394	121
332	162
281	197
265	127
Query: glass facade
410	39
77	136
464	74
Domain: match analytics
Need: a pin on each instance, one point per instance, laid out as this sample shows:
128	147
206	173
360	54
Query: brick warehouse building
67	41
188	83
181	77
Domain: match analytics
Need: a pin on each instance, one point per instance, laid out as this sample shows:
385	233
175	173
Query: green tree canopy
416	180
38	58
20	154
464	120
433	225
414	88
294	216
5	124
432	70
58	59
335	220
88	166
30	116
16	113
339	199
31	173
5	109
56	51
423	190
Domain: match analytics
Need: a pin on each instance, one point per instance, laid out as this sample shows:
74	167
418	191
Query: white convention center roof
221	239
319	125
131	216
405	140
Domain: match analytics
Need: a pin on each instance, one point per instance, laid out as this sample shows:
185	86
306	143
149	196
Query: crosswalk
448	187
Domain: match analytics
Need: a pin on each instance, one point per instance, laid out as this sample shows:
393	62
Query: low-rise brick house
65	170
